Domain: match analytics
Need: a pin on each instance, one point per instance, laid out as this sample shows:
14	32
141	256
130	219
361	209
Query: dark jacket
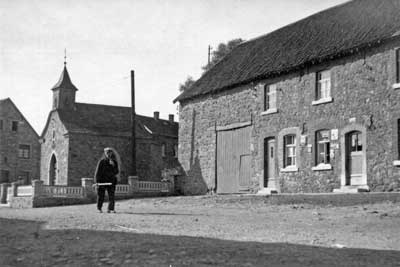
106	172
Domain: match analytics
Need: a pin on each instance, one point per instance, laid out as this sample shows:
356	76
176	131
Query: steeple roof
65	81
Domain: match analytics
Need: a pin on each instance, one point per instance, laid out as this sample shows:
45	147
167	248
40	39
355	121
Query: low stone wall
39	195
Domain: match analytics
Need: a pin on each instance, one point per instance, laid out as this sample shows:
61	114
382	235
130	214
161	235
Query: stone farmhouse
76	134
311	107
19	146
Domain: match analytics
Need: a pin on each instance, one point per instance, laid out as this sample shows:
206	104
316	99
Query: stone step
352	189
267	191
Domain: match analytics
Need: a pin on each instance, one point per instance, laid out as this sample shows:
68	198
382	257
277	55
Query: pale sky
163	41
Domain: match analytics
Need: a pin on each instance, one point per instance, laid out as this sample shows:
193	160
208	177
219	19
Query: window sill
396	163
290	169
269	111
396	86
322	101
322	167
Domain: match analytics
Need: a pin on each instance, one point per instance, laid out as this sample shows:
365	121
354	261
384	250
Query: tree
187	84
221	51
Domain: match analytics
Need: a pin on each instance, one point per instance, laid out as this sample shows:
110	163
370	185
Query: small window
398	66
175	151
356	142
289	150
14	126
270	97
323	140
24	151
163	150
323	85
5	176
1	125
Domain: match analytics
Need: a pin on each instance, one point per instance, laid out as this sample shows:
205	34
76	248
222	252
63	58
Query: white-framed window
24	151
270	97
323	85
323	141
175	151
289	150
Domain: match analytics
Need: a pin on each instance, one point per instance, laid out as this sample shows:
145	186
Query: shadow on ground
26	243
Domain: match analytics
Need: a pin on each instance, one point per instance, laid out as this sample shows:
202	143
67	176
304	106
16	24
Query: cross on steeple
65	57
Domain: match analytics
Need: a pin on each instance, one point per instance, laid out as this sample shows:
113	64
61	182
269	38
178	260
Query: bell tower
64	91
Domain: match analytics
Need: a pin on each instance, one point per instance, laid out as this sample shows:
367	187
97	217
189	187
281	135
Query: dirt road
201	231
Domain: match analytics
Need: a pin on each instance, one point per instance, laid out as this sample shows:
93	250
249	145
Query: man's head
108	152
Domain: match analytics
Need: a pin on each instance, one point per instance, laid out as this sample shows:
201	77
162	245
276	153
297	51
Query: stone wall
57	147
10	141
86	150
363	98
197	123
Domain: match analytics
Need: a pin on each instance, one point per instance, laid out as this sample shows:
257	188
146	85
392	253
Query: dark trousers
101	191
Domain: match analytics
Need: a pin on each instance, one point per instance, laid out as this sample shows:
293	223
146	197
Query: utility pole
133	121
209	53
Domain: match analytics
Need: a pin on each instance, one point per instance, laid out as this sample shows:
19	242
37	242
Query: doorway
53	170
269	163
355	153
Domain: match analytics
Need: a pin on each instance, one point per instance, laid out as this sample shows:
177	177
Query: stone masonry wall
9	145
57	147
197	122
363	97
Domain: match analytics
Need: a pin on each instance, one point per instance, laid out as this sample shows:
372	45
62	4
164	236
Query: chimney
171	117
156	115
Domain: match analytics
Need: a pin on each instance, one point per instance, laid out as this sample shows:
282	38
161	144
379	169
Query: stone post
89	191
37	188
3	192
14	189
133	181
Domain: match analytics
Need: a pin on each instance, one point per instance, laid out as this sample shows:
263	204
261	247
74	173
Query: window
14	126
397	65
289	150
323	139
323	85
24	151
1	125
270	97
356	142
163	150
5	176
175	151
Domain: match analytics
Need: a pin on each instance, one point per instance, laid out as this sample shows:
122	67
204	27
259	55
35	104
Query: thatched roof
332	33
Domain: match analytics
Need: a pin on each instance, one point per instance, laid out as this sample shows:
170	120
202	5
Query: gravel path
207	230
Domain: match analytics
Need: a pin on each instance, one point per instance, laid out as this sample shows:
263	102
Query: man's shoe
100	211
113	211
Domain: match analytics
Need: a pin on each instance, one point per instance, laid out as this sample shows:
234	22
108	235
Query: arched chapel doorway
53	170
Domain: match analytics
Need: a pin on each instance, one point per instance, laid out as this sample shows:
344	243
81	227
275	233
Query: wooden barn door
233	160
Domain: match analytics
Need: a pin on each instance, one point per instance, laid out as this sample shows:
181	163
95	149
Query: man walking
105	179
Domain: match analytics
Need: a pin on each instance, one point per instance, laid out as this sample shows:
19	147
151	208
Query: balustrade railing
153	186
62	191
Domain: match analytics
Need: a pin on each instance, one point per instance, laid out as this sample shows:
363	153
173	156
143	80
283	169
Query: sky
164	42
